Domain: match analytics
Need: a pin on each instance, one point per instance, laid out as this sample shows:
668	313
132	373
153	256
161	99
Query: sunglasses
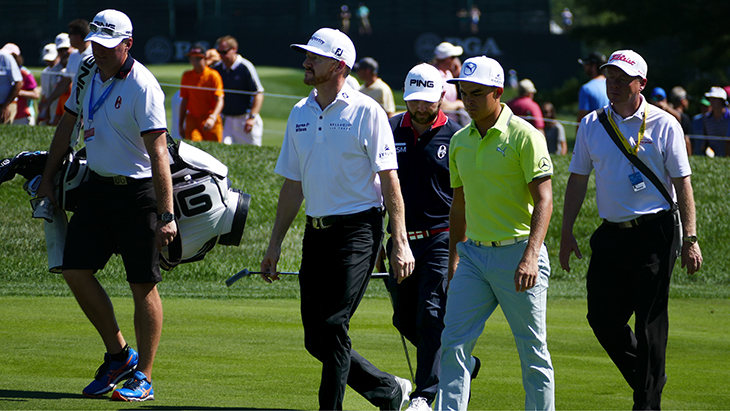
222	52
95	28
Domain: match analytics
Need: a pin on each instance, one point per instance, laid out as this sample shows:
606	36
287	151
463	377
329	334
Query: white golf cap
527	86
481	70
423	82
62	41
109	28
49	52
716	92
11	48
330	43
629	61
446	50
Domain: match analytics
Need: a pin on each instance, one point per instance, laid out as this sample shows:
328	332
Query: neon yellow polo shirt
494	172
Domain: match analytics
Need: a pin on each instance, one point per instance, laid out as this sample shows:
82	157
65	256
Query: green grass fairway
248	354
242	347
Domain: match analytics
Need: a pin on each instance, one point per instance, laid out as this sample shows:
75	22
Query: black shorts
115	219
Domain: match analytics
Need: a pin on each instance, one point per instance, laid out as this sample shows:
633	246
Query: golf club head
237	276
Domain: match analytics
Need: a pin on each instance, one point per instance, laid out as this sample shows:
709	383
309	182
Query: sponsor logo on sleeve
544	164
387	152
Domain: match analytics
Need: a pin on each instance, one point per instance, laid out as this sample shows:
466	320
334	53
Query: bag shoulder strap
603	118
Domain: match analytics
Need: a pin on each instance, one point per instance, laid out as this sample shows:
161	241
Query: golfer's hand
248	126
402	261
691	257
45	189
568	245
268	266
165	233
525	275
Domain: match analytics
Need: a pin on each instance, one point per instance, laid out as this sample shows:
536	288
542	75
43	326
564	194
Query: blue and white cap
481	70
330	43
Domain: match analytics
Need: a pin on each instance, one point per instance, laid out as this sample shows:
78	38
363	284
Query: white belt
509	241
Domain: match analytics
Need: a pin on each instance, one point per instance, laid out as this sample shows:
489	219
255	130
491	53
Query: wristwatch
691	239
166	217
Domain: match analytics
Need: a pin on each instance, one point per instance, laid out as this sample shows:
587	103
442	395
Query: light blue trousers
483	280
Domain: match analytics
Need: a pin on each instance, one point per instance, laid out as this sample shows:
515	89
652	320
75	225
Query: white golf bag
208	210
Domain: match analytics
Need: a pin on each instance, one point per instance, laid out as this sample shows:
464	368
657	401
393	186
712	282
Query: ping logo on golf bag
209	211
194	201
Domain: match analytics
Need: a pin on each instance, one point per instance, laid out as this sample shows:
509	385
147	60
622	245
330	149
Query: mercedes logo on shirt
544	164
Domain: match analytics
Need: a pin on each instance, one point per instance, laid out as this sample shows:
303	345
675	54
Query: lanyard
104	95
633	150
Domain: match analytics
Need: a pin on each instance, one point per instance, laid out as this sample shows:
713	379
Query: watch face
167	217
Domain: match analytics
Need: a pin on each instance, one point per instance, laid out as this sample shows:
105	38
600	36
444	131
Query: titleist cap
629	61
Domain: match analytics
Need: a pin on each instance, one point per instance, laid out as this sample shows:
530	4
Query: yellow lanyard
635	149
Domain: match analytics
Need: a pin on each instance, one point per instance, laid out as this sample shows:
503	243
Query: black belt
639	220
116	180
326	221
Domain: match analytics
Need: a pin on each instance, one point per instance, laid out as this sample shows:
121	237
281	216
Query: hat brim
195	55
303	48
428	96
104	40
710	95
458	80
632	73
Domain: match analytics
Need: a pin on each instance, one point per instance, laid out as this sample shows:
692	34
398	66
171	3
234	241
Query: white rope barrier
402	108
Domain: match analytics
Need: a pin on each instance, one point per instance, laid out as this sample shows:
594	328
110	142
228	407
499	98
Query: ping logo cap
423	82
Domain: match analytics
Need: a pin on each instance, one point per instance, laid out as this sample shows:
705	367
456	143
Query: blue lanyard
99	102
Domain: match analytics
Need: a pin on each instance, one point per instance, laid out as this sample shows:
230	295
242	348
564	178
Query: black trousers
419	306
629	273
336	265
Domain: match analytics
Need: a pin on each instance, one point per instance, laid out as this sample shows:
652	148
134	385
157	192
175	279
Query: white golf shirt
662	149
337	152
135	105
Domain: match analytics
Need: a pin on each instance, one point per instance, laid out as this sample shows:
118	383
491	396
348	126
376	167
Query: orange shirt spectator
202	100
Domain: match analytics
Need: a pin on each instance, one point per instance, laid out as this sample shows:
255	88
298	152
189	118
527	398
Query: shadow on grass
18	395
10	395
163	408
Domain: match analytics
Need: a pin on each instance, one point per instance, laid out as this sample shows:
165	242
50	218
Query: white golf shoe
419	404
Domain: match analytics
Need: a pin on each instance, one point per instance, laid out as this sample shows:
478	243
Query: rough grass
23	263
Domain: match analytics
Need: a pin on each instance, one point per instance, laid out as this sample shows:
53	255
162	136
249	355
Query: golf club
245	273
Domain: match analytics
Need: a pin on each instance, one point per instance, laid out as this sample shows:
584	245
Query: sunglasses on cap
95	28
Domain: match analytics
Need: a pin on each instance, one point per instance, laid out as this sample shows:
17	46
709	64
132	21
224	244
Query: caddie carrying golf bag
208	210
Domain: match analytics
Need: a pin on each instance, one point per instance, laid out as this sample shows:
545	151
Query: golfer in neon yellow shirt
500	171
